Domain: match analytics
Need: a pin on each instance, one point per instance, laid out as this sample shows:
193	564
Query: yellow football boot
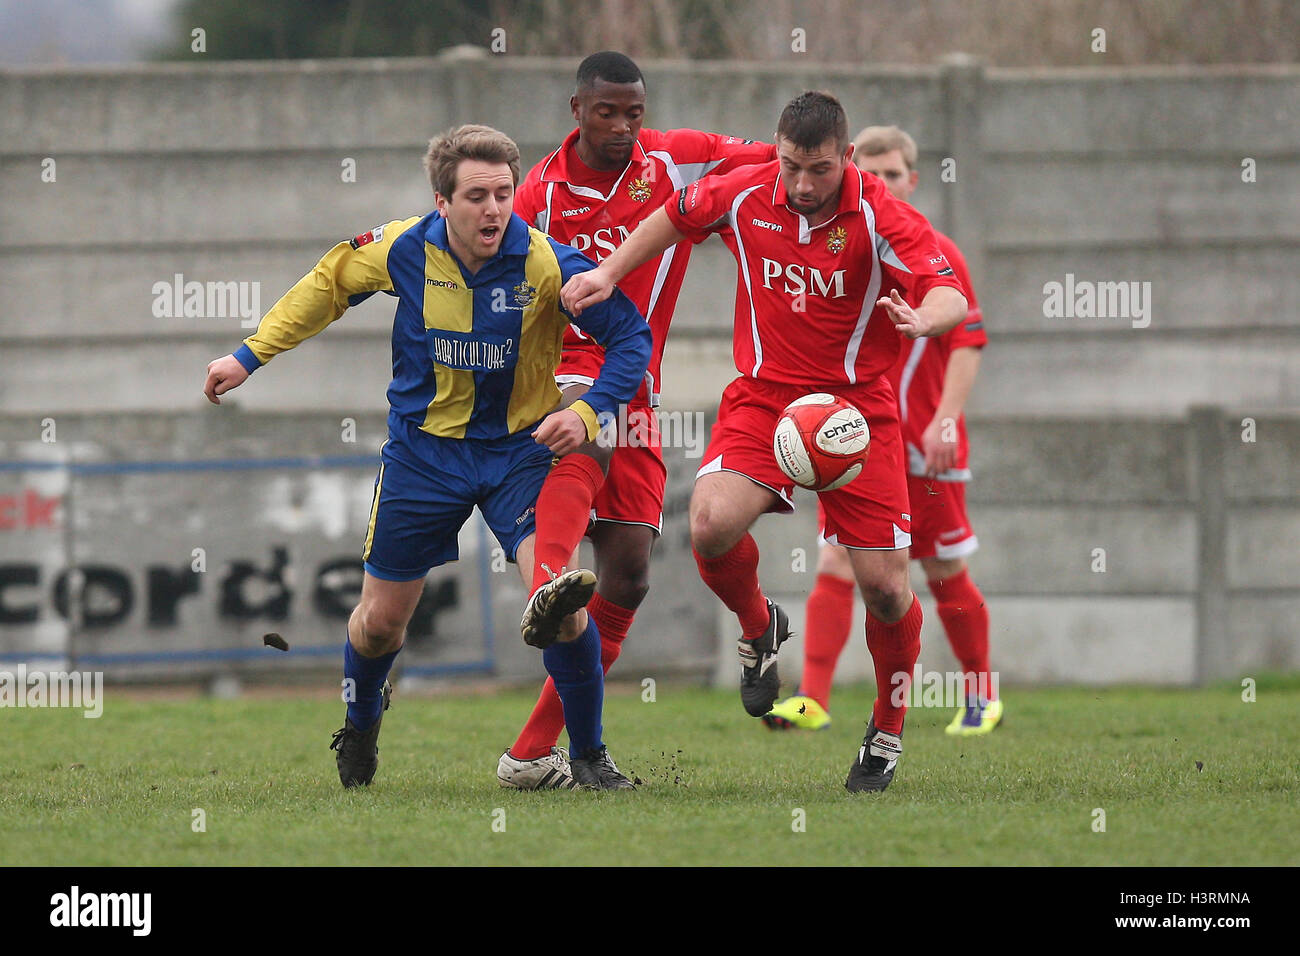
797	713
974	720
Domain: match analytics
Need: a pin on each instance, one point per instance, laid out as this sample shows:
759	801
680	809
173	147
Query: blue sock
580	681
368	675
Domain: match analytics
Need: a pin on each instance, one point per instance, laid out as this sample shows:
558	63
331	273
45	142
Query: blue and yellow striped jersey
474	356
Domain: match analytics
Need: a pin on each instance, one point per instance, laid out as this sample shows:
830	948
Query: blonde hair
483	143
875	140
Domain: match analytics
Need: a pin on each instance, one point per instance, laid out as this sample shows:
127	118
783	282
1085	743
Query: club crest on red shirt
639	189
836	238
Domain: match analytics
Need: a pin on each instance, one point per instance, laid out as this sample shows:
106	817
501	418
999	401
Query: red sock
613	621
734	578
547	719
894	649
966	620
826	629
563	511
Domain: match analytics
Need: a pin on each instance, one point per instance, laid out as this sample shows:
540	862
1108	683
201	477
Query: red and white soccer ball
821	442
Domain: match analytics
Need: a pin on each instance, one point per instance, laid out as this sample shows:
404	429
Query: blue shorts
427	488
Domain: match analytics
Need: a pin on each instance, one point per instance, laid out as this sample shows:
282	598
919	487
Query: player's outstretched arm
224	374
941	309
347	274
647	240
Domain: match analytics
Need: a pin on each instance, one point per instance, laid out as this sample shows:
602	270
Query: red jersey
595	211
806	296
922	364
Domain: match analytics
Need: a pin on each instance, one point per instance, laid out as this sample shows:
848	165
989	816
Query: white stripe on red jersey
745	272
868	301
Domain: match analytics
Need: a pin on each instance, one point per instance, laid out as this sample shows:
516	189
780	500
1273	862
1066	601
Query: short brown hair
811	118
875	140
447	150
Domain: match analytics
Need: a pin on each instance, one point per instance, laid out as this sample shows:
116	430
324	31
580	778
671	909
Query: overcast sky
80	31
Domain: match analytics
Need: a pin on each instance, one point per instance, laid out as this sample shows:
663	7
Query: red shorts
871	511
633	492
940	528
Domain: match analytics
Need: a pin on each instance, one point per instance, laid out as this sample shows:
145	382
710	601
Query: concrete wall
196	534
1197	580
234	173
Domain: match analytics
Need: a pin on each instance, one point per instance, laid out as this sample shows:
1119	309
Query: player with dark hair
472	421
591	192
822	250
607	66
932	377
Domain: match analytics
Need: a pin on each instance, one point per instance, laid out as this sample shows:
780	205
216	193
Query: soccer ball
821	442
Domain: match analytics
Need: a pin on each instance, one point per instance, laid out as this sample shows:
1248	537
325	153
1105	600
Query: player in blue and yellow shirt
476	339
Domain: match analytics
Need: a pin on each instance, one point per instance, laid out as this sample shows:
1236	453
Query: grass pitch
719	789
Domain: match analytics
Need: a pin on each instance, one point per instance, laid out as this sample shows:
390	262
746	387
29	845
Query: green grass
719	789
